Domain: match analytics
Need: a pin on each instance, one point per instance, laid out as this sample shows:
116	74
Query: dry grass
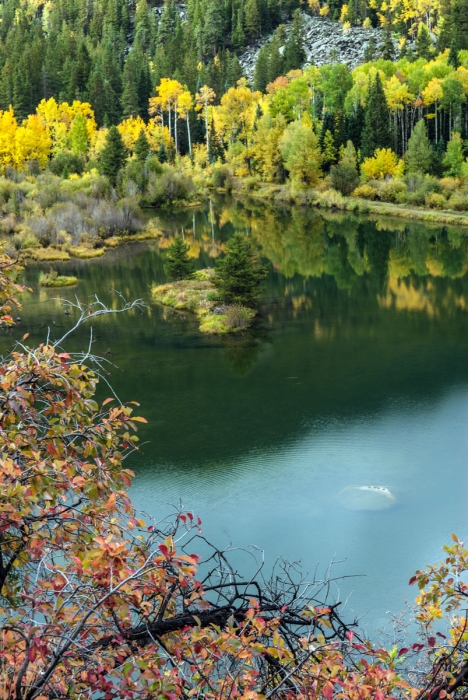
83	253
45	254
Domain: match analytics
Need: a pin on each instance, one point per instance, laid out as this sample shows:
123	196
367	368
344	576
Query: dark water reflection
355	374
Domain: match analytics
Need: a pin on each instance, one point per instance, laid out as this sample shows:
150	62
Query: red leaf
402	651
417	647
439	634
32	653
327	690
197	647
350	635
163	549
412	580
431	641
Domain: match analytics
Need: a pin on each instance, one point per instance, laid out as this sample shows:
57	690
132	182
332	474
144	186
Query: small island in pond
53	279
224	298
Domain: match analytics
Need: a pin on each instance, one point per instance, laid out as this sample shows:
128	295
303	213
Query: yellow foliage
433	92
384	163
58	119
8	127
130	130
97	143
157	134
32	142
236	114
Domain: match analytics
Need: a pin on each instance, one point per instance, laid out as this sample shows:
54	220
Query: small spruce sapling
239	276
177	264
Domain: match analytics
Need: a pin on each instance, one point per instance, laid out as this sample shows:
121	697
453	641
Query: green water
355	374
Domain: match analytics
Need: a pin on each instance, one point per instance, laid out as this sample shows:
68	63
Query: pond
355	375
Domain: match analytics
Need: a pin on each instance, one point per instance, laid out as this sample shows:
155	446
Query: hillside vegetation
108	100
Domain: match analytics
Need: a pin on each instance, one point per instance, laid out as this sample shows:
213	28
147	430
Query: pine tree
238	34
239	276
454	157
162	153
420	154
177	264
424	42
340	129
252	19
276	60
328	150
376	133
453	59
294	54
261	69
356	125
113	155
142	147
388	47
130	99
214	26
459	23
166	26
215	150
142	30
370	52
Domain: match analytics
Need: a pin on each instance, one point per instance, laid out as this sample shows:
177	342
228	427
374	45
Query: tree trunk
188	135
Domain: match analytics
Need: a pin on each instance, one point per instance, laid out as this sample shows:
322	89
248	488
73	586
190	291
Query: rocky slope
324	39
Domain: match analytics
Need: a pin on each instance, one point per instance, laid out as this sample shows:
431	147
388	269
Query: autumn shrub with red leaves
98	604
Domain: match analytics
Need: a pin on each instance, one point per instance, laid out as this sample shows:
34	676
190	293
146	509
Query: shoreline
331	200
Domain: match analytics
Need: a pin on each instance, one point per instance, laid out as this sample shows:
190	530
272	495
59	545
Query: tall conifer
376	133
113	155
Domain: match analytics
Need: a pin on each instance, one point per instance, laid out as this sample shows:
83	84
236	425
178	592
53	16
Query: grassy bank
331	199
198	295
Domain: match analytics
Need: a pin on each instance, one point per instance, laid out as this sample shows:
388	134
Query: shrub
436	201
344	178
66	163
449	184
6	190
49	193
393	191
238	317
365	192
417	198
332	199
459	202
171	186
222	177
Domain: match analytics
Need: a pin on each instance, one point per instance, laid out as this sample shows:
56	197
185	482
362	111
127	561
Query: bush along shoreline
224	298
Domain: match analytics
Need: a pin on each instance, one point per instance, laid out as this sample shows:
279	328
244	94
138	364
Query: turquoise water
355	374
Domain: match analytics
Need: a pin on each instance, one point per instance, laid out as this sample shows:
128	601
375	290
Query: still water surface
356	374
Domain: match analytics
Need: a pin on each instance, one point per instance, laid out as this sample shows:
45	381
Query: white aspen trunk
188	135
175	128
169	113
